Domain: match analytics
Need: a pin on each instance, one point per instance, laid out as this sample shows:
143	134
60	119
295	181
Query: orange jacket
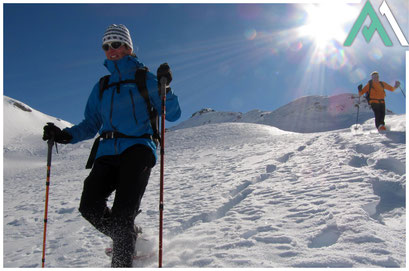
377	94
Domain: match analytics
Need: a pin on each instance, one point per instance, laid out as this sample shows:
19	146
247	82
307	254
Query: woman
127	150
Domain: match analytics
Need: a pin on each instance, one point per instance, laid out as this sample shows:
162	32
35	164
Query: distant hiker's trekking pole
402	92
163	82
357	113
357	105
50	144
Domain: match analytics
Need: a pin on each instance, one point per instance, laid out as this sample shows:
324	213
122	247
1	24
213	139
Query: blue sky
229	57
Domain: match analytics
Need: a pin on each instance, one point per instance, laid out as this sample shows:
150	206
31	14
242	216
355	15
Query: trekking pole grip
163	81
51	142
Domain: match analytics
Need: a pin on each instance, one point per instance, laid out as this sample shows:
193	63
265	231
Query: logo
376	25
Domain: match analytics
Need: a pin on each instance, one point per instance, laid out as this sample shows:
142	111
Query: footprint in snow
391	164
270	168
365	149
392	195
66	210
17	222
311	141
274	239
288	254
301	148
285	157
327	237
358	161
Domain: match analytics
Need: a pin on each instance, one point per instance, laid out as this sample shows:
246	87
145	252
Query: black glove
52	131
397	84
360	87
164	71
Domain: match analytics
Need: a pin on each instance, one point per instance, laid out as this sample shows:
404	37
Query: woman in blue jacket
127	150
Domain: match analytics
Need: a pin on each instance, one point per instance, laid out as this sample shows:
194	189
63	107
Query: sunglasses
114	45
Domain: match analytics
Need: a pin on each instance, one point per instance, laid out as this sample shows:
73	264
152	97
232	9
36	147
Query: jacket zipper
118	89
110	119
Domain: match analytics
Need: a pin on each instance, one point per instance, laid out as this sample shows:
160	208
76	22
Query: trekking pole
163	82
357	113
50	144
402	92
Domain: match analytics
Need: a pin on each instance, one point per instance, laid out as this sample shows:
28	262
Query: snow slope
308	114
236	195
22	126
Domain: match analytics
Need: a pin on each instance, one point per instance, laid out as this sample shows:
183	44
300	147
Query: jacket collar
124	65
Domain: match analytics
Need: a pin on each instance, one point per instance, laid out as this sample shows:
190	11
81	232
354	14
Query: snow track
236	195
302	205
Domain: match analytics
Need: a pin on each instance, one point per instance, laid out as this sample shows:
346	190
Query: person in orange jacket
376	97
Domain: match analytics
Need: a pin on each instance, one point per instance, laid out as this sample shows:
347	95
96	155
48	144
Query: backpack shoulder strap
103	84
140	78
369	90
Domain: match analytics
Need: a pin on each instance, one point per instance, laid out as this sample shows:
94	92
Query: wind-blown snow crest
236	195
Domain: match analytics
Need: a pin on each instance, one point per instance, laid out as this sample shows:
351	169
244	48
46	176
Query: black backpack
140	81
368	94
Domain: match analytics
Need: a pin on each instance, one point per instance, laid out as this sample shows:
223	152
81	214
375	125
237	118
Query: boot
382	127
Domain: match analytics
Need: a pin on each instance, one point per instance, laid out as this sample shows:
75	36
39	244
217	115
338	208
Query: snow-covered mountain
305	115
21	122
22	133
236	195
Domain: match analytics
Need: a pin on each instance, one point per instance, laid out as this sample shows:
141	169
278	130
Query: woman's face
116	54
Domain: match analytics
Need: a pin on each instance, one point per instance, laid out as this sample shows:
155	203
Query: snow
237	194
22	126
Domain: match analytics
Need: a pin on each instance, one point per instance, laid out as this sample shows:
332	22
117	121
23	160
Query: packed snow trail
236	195
289	200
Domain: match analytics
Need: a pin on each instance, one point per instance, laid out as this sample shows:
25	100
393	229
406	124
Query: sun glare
326	22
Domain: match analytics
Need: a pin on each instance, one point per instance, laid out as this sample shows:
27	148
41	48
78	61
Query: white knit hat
119	33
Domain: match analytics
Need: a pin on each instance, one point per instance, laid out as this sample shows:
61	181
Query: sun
326	22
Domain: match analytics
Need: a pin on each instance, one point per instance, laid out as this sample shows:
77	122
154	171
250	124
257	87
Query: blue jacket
125	112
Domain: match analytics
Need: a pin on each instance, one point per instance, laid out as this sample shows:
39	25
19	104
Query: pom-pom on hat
119	33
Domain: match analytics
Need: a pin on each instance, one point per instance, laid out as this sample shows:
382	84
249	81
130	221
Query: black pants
127	174
379	111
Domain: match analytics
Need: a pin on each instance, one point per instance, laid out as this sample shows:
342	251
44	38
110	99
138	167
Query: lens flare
357	75
250	34
335	56
338	106
375	54
296	46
